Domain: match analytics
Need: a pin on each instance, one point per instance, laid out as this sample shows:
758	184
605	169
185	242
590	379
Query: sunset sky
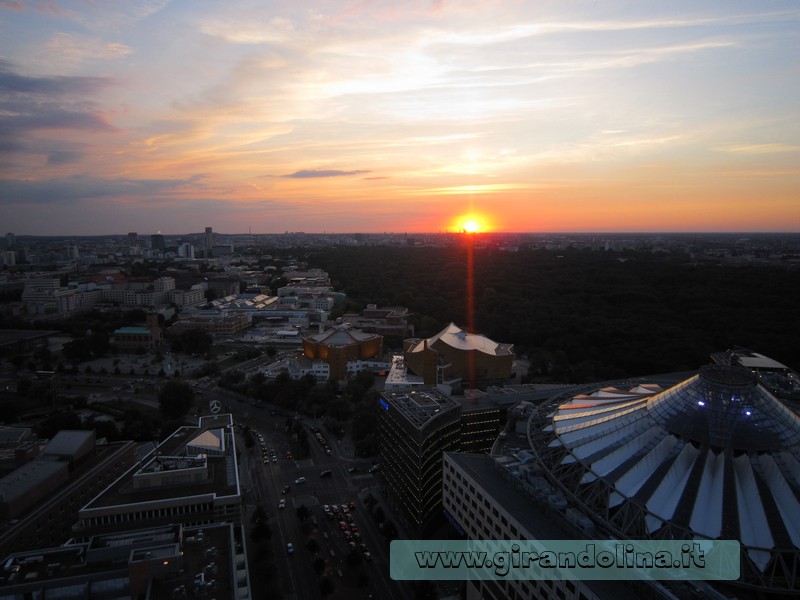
359	116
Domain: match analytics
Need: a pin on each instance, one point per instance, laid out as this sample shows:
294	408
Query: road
264	484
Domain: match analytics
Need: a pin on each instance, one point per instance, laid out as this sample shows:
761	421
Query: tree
175	399
313	546
326	587
58	421
319	565
354	558
302	512
389	530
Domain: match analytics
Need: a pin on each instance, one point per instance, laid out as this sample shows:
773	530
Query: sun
470	226
471	223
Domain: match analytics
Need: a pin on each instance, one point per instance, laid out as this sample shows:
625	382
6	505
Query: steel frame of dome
668	413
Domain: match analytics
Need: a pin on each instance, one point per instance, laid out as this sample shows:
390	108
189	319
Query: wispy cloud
65	190
310	173
52	103
759	148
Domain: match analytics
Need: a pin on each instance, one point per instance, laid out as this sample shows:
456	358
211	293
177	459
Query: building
453	356
41	498
415	427
192	479
157	242
339	346
215	325
148	564
209	241
714	456
482	504
134	338
384	321
779	379
186	250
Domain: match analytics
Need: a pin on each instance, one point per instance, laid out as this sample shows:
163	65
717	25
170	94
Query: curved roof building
341	344
716	456
455	354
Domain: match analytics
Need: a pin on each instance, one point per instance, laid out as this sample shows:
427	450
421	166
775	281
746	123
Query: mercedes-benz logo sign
216	406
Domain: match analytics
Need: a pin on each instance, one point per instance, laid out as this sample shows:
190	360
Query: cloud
63	157
35	104
310	173
13	83
760	148
62	190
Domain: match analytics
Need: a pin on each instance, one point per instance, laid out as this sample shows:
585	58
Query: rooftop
221	478
455	337
419	406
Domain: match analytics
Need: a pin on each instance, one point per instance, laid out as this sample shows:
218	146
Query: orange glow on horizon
471	223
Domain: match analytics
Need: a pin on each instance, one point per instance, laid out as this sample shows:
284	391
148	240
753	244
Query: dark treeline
582	315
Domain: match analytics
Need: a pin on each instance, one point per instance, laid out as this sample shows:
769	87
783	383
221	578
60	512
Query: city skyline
388	117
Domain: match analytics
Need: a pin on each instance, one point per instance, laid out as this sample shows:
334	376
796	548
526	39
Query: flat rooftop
95	565
542	526
421	405
223	480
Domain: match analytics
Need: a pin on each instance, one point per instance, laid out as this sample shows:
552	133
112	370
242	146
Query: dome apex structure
716	456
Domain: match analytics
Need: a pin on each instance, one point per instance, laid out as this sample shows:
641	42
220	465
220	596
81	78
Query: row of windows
144	515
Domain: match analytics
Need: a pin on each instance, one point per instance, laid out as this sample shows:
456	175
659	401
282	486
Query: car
375	468
344	508
326	508
274	459
367	556
342	525
299	480
327	452
326	473
286	489
282	503
290	548
352	505
352	470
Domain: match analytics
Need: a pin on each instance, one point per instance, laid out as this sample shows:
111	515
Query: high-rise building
186	250
415	428
11	240
157	242
209	240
